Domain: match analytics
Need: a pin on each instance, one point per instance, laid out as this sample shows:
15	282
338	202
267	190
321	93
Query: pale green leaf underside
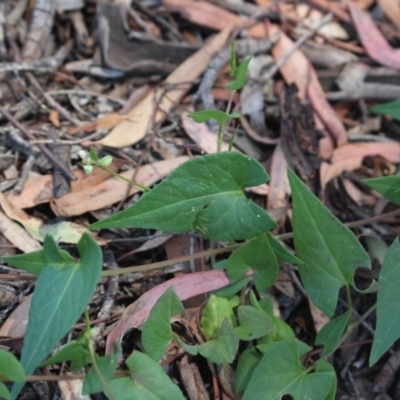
388	310
329	250
205	195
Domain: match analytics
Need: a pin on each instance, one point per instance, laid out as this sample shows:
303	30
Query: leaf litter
97	93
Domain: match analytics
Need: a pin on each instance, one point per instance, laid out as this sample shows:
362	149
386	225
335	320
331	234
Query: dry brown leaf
71	389
106	122
279	188
38	189
16	235
112	190
391	8
331	6
319	318
298	70
284	283
178	83
15	325
372	39
211	16
350	157
64	231
54	118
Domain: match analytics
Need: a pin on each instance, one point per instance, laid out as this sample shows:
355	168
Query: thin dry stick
42	148
51	102
207	253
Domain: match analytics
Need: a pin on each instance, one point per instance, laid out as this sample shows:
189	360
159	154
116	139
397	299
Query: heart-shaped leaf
157	332
388	311
329	250
61	294
281	372
387	186
205	194
148	381
257	254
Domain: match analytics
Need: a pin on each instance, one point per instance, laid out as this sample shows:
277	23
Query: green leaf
240	76
392	108
331	333
280	372
233	288
388	311
93	154
253	323
281	253
222	349
10	367
35	262
76	352
148	381
97	378
4	393
60	296
323	366
215	312
387	186
204	194
157	332
220	116
257	254
330	251
280	331
247	363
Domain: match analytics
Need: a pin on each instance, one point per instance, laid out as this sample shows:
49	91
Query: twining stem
116	175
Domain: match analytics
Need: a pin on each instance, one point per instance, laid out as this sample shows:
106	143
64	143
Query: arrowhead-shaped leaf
36	261
281	372
157	331
388	310
61	294
257	254
220	116
331	333
205	194
388	186
329	250
148	381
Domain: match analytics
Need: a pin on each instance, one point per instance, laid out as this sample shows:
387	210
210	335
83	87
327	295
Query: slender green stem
116	175
349	299
92	352
355	324
219	139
